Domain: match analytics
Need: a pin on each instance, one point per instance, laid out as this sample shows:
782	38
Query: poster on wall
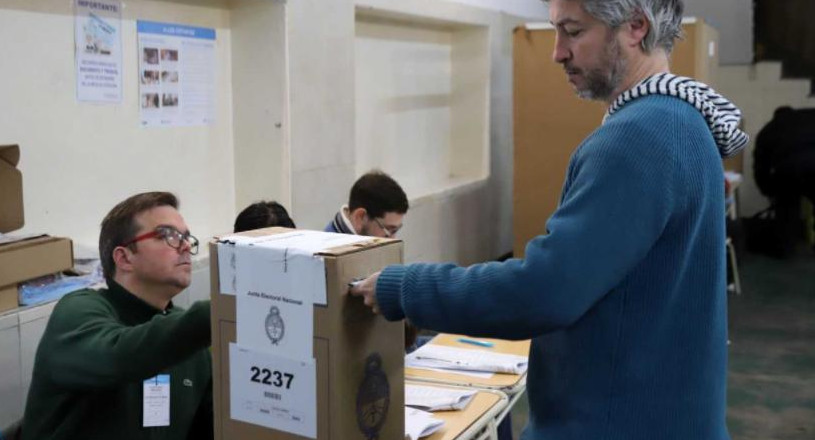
176	74
97	37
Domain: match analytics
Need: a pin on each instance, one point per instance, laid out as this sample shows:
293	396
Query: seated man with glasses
124	362
375	207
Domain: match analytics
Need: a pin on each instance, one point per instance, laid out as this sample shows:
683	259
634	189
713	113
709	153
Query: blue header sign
174	30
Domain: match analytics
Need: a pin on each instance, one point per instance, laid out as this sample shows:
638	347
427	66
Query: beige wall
285	130
78	160
734	21
440	226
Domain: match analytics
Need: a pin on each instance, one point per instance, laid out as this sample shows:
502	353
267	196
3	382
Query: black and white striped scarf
721	115
341	223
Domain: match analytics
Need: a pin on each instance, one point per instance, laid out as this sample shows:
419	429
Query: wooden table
477	421
508	383
513	385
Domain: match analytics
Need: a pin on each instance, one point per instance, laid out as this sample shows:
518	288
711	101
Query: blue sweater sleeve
615	205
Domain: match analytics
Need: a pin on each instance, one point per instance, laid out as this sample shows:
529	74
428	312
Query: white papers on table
420	424
429	398
413	363
452	358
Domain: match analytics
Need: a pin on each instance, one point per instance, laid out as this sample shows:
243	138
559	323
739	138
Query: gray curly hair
664	16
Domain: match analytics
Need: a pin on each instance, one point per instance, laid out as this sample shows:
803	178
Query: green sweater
98	348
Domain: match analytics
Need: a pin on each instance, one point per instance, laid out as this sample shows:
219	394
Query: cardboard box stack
352	375
23	259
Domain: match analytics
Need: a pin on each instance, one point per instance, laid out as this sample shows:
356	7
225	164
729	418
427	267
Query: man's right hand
367	290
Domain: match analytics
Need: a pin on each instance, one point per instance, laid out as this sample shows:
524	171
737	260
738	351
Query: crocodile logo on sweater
187	383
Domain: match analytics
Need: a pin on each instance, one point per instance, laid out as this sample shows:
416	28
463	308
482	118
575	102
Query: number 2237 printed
273	391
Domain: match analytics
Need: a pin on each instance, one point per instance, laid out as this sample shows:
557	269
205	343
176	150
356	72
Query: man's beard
602	81
366	230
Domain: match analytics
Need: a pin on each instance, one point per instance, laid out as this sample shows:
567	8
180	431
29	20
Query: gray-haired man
625	297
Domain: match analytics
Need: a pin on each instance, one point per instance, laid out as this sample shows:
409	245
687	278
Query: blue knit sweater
624	298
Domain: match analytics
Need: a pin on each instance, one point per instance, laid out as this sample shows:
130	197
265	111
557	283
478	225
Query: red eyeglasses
172	236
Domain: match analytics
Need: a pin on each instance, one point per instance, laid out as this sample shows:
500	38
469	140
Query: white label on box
227	262
307	244
274	309
303	243
156	401
273	391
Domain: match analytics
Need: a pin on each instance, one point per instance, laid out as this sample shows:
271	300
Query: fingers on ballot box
294	356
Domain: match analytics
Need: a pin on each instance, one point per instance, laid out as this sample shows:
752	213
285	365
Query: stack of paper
420	424
434	356
13	238
437	398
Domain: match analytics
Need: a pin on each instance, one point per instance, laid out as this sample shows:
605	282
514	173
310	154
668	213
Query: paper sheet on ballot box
228	263
277	279
305	243
274	306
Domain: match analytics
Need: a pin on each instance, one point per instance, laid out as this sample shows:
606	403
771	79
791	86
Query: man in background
376	207
263	215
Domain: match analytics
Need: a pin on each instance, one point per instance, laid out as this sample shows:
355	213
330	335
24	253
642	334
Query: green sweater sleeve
86	346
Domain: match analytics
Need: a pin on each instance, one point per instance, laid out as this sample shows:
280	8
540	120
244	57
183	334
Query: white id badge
156	401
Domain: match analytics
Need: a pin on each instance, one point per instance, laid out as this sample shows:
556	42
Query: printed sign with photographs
177	74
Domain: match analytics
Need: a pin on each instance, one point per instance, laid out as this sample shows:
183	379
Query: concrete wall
734	21
732	18
79	160
300	130
530	9
438	227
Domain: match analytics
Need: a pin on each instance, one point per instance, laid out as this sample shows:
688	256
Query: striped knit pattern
721	115
339	225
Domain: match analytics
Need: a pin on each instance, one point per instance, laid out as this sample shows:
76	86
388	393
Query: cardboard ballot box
25	258
357	358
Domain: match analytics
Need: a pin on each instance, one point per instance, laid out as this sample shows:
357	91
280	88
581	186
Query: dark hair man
376	207
123	362
625	296
263	215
